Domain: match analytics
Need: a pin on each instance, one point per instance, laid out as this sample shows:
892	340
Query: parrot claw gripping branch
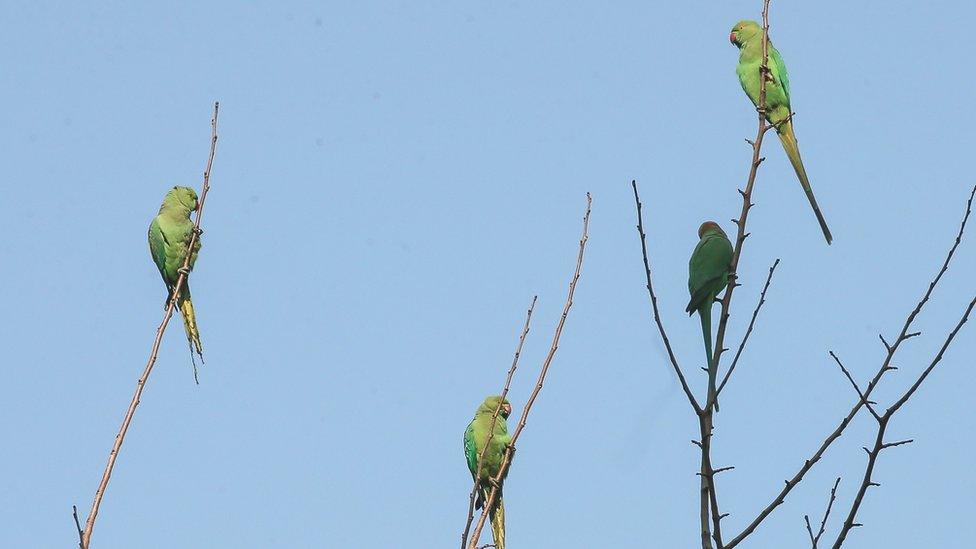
84	535
710	515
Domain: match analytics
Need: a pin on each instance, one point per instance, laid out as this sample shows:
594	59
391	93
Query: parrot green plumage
747	36
169	238
708	274
475	438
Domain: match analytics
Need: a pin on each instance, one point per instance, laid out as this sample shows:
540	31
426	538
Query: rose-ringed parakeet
169	238
708	274
475	438
747	36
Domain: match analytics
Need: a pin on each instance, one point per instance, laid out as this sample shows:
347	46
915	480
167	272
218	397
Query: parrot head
184	196
491	404
709	227
744	31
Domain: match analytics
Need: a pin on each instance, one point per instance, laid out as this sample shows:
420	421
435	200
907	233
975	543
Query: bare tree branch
752	323
709	499
868	403
657	313
885	367
509	451
120	437
708	496
883	422
815	539
81	533
494	419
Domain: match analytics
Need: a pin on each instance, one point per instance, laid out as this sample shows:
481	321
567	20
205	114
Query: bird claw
183	271
198	231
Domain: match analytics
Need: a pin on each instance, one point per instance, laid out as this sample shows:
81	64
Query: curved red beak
732	37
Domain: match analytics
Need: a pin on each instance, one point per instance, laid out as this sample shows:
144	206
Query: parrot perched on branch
708	274
475	438
747	36
169	240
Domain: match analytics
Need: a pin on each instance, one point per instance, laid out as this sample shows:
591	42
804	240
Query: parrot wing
471	456
778	68
708	270
471	449
157	247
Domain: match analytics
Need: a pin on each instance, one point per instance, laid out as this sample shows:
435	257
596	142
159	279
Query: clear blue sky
394	181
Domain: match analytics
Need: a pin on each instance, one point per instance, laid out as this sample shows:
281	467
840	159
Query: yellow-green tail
788	139
192	331
498	522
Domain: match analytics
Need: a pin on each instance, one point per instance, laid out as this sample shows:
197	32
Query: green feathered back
475	440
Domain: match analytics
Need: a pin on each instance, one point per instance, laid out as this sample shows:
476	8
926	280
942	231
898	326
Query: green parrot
708	274
475	439
747	36
169	237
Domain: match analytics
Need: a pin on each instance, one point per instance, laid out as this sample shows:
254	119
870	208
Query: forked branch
494	419
507	458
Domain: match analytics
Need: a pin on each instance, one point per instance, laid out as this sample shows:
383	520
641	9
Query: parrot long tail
705	313
192	331
788	139
498	522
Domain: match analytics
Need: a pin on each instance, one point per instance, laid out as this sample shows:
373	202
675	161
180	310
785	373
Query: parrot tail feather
705	312
192	331
498	522
788	139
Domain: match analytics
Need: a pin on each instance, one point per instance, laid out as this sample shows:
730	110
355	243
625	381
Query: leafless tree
710	515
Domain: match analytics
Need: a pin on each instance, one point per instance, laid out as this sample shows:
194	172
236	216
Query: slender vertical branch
708	497
507	458
657	314
140	385
81	533
747	204
494	419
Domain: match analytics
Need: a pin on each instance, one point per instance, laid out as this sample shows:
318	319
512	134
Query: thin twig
815	539
81	534
507	458
120	437
857	389
752	323
657	314
494	418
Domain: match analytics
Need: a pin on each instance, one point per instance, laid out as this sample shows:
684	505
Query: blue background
393	183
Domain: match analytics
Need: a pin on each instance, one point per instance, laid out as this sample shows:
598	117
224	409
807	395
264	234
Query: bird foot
199	231
183	271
